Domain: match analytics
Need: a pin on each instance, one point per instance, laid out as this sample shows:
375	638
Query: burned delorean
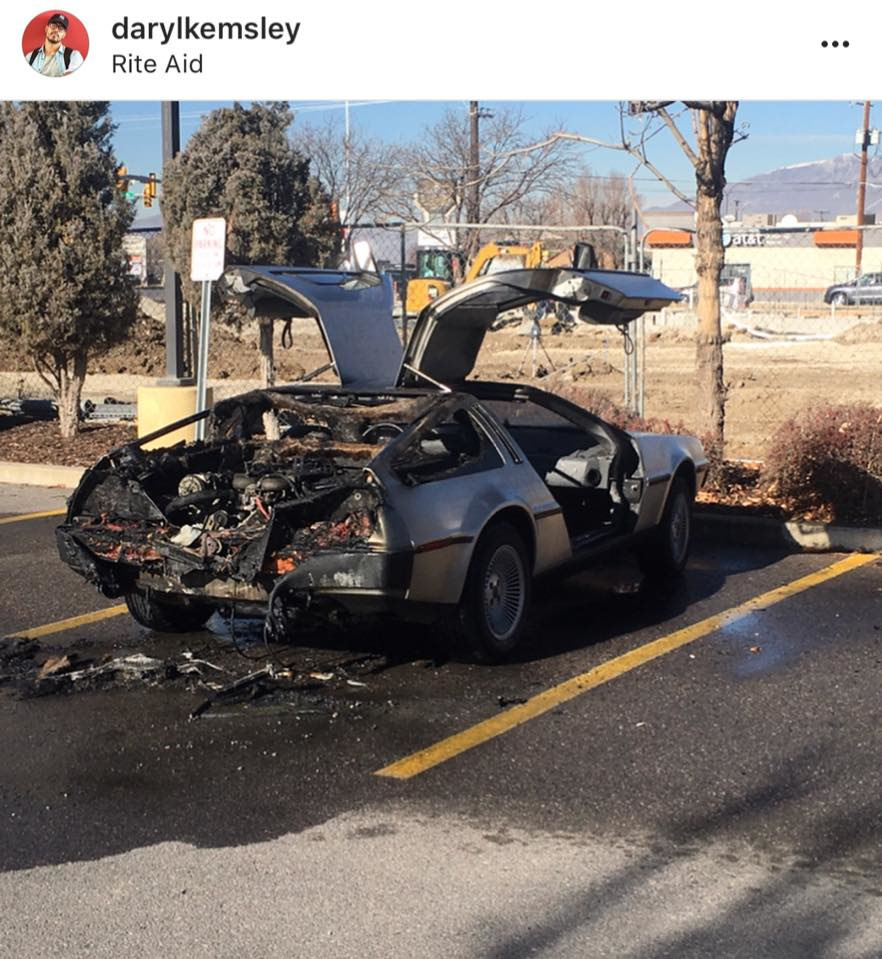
407	489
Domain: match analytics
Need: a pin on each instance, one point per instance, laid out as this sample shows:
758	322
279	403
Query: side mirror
584	257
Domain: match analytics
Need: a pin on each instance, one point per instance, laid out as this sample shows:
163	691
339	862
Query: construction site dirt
770	377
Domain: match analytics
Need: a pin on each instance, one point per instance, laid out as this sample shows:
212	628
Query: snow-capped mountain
816	190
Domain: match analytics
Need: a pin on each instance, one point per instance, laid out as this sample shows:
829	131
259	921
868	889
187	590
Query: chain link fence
802	327
786	348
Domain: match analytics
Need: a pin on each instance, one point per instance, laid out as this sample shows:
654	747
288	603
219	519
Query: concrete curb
40	474
792	535
709	526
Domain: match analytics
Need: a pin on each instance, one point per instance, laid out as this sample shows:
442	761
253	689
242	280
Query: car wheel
493	610
166	617
839	298
665	552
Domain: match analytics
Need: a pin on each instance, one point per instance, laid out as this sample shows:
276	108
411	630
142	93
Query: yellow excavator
439	269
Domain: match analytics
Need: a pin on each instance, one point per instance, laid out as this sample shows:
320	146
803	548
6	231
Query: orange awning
657	238
836	238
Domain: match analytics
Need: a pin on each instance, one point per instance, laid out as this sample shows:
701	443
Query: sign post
206	265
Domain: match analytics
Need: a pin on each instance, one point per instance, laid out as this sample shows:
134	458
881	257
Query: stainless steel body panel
661	457
446	517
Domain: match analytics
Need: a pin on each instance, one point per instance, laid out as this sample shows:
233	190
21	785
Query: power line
150	119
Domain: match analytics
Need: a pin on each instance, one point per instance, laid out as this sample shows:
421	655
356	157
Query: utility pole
473	195
175	370
473	213
862	189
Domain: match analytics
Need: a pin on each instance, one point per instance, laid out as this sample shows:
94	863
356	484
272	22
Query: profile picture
55	43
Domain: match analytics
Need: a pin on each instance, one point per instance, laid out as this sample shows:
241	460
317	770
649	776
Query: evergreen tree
241	165
64	286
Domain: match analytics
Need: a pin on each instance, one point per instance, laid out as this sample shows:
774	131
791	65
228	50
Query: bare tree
361	175
510	168
706	145
588	199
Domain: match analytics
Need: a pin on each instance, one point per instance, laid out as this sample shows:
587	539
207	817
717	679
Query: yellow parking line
440	752
23	516
71	623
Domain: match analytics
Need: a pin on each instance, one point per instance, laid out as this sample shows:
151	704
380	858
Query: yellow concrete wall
159	406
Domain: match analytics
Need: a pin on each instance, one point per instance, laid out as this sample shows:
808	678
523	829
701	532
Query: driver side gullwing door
353	312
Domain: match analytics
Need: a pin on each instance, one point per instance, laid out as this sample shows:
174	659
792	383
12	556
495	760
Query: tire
839	298
664	554
493	610
151	611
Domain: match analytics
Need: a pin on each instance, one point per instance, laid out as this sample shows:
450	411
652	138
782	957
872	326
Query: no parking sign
207	250
206	265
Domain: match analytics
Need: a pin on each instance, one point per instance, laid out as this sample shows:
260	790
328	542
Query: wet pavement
722	799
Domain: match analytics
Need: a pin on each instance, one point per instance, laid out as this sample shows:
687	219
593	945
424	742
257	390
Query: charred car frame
408	488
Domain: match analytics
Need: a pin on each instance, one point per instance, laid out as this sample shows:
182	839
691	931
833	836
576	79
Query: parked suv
865	289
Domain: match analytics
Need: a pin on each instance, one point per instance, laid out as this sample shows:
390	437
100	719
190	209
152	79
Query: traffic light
122	179
150	190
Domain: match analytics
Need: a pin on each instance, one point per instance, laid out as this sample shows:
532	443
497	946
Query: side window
453	447
524	414
544	435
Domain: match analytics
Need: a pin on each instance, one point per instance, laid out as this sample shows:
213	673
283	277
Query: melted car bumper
346	575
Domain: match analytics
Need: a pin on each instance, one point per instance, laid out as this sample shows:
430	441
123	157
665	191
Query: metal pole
862	190
346	191
635	356
626	339
641	403
176	371
634	241
526	227
402	283
202	371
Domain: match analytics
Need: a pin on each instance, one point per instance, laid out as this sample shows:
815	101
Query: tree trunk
267	367
268	377
71	372
709	256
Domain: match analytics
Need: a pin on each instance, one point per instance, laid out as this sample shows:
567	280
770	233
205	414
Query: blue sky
780	133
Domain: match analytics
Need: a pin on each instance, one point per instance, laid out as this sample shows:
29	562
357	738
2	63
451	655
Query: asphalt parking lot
690	772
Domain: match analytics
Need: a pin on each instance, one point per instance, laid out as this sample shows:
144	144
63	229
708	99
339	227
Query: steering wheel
396	430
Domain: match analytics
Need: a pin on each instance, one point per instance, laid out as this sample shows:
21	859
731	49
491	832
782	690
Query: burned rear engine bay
281	476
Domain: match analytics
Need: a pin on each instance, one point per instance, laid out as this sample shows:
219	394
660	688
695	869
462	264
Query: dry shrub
598	402
829	458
